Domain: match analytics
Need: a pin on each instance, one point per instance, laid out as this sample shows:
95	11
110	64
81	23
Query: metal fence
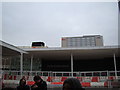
63	74
106	78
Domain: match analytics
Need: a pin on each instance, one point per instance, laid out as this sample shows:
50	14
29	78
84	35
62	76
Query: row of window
14	64
80	44
81	39
88	41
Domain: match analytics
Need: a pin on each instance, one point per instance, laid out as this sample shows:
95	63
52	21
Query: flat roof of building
84	36
59	53
8	49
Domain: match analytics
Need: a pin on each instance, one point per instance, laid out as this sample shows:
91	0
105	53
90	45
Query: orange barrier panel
14	77
49	79
79	78
95	79
30	82
56	82
105	84
10	77
86	84
63	78
5	76
111	77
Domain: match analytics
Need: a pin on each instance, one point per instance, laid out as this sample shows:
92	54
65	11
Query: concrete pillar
31	66
115	66
1	68
21	64
72	64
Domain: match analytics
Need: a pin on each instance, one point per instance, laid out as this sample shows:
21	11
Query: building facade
84	41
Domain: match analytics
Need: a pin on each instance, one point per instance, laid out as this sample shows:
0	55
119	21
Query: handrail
52	73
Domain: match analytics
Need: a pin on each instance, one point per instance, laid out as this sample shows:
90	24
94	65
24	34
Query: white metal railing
52	73
58	76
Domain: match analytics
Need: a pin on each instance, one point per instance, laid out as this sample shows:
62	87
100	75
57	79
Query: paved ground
90	89
87	89
59	87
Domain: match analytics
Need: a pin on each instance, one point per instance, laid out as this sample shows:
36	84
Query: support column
115	66
1	66
10	64
21	64
31	66
72	64
40	61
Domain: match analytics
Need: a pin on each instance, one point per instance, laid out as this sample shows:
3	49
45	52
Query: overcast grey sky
23	23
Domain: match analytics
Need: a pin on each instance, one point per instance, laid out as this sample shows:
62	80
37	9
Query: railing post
109	85
79	74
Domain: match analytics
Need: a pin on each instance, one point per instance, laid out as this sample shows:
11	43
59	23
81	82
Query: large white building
83	41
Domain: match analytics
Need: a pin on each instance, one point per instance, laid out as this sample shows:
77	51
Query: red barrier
49	79
63	78
95	79
86	84
5	76
111	77
30	82
56	82
105	84
79	78
14	77
10	77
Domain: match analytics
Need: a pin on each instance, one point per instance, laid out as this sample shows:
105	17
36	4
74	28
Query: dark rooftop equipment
38	44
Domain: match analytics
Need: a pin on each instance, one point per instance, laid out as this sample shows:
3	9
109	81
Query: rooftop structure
84	41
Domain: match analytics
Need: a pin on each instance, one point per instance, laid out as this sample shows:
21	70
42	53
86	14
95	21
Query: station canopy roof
79	53
59	53
9	50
